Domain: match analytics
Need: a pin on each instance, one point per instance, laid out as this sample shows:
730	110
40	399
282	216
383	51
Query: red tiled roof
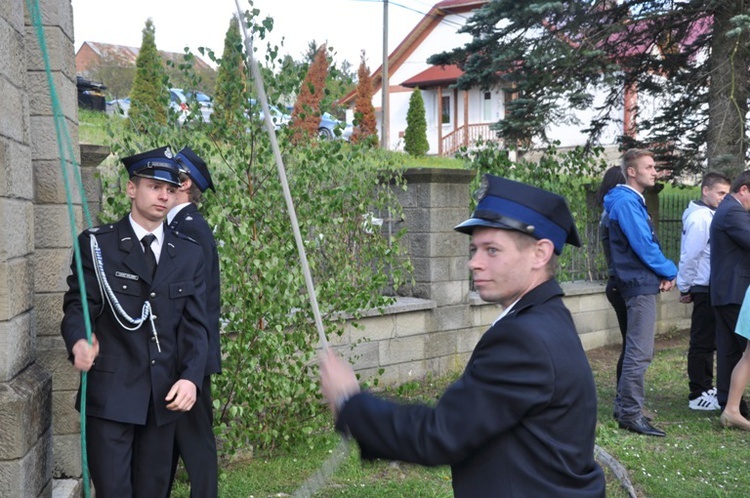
127	55
434	76
417	35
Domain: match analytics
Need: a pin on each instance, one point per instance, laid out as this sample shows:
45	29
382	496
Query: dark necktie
150	257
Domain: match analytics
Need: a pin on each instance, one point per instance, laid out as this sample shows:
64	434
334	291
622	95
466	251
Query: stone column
25	387
91	157
52	232
434	202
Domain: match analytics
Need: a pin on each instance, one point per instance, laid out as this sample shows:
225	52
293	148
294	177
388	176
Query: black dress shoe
641	426
648	418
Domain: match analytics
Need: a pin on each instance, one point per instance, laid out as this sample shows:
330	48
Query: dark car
91	94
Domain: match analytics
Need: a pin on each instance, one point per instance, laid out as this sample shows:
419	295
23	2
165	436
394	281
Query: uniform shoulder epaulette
100	229
184	237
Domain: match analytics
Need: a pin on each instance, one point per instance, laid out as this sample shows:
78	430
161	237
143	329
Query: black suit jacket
130	371
189	221
520	421
730	253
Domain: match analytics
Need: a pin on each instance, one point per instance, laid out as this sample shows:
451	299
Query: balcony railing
466	135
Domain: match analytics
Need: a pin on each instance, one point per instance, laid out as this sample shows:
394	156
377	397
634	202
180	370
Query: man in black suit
194	437
521	419
146	302
730	277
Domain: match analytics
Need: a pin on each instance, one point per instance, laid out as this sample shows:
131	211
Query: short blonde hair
630	159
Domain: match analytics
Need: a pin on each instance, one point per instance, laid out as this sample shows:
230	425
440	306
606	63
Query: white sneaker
704	402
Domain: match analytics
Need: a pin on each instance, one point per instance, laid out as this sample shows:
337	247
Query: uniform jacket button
153	294
153	362
153	339
154	317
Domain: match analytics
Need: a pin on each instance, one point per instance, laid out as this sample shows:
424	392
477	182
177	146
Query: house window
446	110
487	106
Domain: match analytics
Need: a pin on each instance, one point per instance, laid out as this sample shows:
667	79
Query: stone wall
34	246
409	342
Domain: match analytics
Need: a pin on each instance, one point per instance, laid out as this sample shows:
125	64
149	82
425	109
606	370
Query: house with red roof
458	118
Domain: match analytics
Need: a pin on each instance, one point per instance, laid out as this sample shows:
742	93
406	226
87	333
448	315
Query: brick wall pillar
53	235
25	386
434	202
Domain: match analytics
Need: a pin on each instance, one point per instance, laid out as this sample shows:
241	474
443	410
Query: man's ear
543	251
130	189
186	184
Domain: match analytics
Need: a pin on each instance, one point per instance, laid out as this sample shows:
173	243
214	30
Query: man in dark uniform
146	302
521	419
194	438
729	280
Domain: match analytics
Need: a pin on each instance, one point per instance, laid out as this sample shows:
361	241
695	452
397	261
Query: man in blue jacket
521	419
641	272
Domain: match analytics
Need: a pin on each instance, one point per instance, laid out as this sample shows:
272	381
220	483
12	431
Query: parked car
119	106
180	100
278	117
328	126
90	94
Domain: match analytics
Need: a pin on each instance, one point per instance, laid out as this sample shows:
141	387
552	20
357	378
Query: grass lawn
698	458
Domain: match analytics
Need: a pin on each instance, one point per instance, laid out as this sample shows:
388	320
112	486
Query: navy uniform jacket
189	221
730	253
129	370
519	422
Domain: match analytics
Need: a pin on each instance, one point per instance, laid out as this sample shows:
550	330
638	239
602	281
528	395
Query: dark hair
612	177
742	179
194	194
714	177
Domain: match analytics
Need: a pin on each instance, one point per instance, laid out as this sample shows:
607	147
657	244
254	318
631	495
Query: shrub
306	112
366	123
415	136
148	98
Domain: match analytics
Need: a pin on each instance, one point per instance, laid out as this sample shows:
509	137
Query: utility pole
386	118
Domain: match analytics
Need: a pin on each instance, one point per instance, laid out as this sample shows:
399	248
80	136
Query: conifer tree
415	136
690	58
366	124
306	112
231	89
148	98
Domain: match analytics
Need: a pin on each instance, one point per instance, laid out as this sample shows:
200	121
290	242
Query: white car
329	125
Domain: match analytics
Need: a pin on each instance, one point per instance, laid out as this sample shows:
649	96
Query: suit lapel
167	263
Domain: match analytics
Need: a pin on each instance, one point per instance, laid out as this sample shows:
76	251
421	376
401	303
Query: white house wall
444	38
570	134
441	39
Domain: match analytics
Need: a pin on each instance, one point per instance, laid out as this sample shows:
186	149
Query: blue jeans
639	351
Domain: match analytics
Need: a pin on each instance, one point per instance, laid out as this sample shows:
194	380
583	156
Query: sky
349	26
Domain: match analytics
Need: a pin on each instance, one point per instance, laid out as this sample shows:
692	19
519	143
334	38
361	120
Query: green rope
64	143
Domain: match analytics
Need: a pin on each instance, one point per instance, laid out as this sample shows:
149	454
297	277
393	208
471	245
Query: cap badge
482	190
